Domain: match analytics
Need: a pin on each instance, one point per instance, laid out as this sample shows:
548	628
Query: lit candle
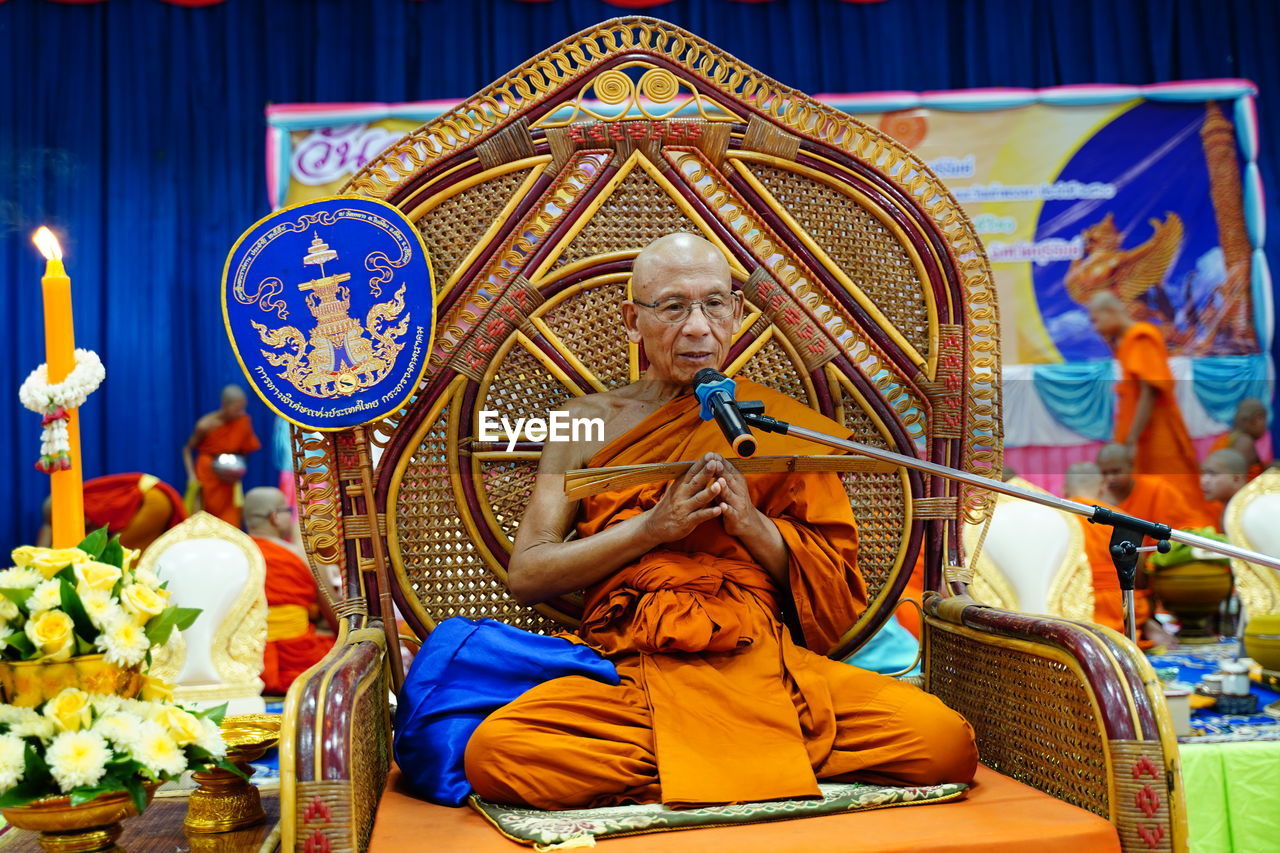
60	354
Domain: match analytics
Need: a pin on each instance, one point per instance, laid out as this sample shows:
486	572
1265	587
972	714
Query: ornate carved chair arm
1061	705
334	765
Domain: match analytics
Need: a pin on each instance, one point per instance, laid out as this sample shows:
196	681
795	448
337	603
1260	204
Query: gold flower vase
87	828
225	801
27	683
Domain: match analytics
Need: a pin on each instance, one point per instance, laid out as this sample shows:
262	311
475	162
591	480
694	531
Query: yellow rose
50	632
49	561
69	710
141	602
156	690
130	557
95	575
184	728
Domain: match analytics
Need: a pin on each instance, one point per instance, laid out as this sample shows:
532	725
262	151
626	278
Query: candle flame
47	243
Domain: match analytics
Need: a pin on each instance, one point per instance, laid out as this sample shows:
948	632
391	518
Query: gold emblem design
340	356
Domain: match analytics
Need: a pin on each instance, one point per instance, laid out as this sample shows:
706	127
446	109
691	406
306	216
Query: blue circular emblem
330	308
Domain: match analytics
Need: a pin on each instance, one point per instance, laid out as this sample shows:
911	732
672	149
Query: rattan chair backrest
868	297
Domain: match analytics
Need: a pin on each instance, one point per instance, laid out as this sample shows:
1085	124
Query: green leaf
94	543
82	795
20	641
35	770
113	553
83	646
159	628
186	617
216	714
17	596
68	574
75	609
137	792
230	767
23	793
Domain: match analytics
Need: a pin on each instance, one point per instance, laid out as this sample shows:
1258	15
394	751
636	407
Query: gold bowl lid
251	730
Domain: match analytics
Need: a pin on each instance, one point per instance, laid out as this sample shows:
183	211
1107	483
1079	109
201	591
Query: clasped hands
710	488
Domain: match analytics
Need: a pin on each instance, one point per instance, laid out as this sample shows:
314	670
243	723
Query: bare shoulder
209	421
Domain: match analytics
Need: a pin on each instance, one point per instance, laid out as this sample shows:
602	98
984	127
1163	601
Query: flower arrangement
84	745
58	603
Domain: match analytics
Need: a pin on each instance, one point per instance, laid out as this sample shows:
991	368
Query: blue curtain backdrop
136	129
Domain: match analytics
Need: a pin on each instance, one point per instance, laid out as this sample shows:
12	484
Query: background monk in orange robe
1250	425
227	430
1222	474
1148	419
1154	499
686	583
294	603
138	507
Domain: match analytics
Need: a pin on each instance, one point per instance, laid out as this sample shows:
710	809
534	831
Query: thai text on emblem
341	354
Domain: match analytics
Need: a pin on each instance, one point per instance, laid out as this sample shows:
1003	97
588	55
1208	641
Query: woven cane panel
508	485
523	388
878	503
589	324
443	569
867	252
638	212
453	228
370	758
772	366
1032	715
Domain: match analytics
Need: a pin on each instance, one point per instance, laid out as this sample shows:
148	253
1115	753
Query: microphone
715	392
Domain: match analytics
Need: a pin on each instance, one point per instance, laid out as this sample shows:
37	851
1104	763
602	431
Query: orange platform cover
999	814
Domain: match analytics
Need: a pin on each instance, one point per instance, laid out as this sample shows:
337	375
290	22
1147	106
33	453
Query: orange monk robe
219	497
292	602
1227	441
138	507
1164	447
717	704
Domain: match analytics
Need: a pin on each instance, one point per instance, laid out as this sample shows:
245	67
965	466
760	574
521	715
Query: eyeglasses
677	310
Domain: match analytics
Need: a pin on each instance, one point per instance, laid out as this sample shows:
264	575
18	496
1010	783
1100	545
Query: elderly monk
1222	474
294	603
229	430
1148	419
686	584
1250	425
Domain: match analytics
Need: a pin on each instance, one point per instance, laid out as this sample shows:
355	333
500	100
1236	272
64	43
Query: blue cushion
466	670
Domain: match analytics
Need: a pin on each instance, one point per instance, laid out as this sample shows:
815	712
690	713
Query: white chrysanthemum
147	578
8	610
105	703
11	761
210	739
121	728
36	725
20	578
46	596
10	714
100	607
140	709
124	641
158	752
77	758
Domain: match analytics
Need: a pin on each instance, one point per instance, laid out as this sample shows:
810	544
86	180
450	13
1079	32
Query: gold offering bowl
27	683
1262	640
225	801
1193	592
86	828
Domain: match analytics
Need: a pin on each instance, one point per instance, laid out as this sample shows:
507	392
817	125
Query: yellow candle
60	354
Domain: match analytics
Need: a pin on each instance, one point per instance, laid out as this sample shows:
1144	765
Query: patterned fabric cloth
1194	663
583	826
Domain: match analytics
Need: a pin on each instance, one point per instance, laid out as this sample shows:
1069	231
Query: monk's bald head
673	254
1222	474
1115	464
1251	417
1084	481
234	401
1108	314
265	511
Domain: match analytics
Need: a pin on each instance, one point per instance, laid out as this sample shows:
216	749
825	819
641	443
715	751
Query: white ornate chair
1250	521
1031	560
213	566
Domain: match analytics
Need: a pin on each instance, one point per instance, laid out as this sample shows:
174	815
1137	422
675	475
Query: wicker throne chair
869	298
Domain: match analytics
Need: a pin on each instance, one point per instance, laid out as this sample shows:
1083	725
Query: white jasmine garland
77	759
53	401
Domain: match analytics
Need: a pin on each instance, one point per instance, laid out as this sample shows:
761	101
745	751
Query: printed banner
1150	193
330	309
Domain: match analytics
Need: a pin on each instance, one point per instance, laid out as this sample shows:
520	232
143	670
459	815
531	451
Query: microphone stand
1127	531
